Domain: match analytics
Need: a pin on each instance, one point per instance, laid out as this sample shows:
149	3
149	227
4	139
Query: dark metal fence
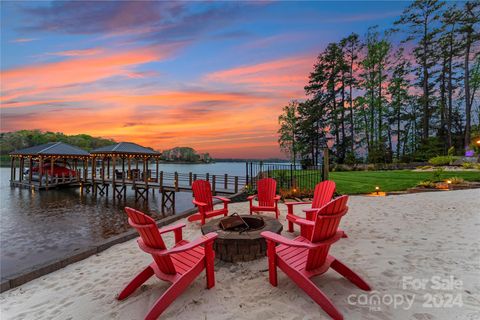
288	176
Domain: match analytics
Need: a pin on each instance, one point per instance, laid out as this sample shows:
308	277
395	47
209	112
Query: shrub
437	173
428	149
468	165
456	180
442	160
350	159
295	193
451	151
250	191
427	184
281	177
341	168
424	167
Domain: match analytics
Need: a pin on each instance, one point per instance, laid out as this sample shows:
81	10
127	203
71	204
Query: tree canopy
10	141
402	94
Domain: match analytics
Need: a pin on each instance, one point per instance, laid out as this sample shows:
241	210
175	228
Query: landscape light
377	189
449	181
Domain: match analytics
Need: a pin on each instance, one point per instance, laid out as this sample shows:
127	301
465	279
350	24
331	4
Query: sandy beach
403	245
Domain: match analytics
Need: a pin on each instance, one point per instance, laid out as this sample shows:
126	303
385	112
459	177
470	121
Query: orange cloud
227	123
202	119
288	73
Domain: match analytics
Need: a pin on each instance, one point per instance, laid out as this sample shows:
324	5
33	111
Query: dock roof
126	148
51	149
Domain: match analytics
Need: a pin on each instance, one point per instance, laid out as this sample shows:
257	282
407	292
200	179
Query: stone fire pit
235	246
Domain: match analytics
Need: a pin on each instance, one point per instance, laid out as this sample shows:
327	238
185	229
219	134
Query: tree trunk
450	92
352	124
398	128
443	99
468	106
390	147
367	137
343	120
406	133
450	101
426	98
380	138
372	109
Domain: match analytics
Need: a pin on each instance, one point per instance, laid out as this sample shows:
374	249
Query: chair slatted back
202	192
266	191
326	225
323	193
148	230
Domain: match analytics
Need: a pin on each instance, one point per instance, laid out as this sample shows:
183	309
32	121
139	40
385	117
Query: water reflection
40	226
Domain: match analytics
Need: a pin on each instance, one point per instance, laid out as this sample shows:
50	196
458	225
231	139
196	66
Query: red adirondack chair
267	197
302	258
322	194
179	265
204	201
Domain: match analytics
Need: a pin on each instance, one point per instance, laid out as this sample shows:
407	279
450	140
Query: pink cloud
22	40
77	53
80	67
291	71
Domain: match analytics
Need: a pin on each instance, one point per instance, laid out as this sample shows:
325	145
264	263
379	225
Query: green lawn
354	182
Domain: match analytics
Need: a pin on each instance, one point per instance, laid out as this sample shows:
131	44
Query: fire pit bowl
240	244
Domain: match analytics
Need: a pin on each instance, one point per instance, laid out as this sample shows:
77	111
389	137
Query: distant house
205	157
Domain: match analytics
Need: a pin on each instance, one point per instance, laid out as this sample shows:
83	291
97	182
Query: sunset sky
213	76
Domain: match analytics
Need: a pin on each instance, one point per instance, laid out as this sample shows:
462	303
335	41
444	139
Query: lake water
38	227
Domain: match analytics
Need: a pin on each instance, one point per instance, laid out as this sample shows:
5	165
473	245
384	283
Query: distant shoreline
185	162
5	163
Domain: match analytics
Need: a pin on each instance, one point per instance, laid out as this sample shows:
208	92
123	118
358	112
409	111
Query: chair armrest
279	239
171	228
295	203
190	245
251	197
303	222
277	198
311	213
198	203
147	249
195	243
222	198
292	217
292	243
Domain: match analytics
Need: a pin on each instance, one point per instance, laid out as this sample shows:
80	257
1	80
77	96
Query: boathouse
48	165
123	164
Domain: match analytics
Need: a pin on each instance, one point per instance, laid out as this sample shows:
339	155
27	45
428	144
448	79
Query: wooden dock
108	171
161	181
104	184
